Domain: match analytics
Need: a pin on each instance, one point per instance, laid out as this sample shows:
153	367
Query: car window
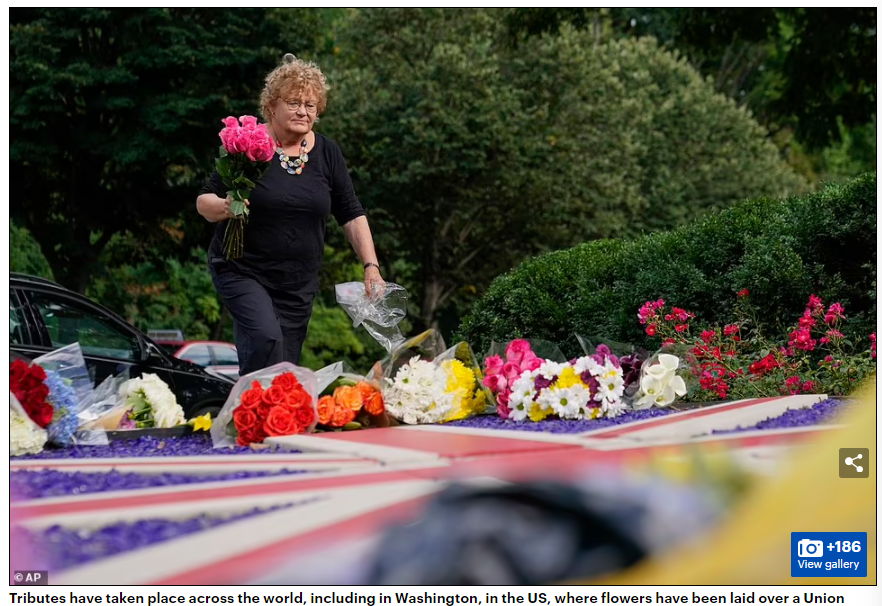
69	322
198	354
17	329
225	356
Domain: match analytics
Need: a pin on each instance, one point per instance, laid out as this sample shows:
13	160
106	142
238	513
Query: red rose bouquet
276	401
27	382
244	157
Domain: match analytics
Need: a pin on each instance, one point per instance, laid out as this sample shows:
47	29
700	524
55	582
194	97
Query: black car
44	316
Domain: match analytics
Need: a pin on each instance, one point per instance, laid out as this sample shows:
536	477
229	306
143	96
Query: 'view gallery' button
828	554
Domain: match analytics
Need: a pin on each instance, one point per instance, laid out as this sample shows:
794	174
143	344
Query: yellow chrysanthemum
568	378
461	383
537	413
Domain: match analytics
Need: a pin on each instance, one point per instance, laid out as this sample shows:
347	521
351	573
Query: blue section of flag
828	554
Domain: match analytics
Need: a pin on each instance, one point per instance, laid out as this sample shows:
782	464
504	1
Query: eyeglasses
294	105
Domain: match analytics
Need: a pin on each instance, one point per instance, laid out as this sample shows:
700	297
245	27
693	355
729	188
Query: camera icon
811	549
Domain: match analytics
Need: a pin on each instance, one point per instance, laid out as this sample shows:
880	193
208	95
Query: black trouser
270	323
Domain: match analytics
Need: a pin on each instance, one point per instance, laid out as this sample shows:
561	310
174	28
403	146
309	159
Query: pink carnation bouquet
245	156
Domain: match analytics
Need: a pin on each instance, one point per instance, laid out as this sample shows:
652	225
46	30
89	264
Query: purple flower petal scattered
560	425
60	548
822	412
192	445
40	484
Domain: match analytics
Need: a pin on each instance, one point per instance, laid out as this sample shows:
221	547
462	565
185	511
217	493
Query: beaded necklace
295	166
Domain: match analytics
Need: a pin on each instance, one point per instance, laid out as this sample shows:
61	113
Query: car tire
213	409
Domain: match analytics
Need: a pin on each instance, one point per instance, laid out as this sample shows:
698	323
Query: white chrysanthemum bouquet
149	403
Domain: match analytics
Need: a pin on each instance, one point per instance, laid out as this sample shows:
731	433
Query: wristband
366	265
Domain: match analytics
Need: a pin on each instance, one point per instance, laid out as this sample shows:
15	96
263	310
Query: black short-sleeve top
285	233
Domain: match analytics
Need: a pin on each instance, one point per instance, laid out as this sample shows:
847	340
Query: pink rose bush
245	155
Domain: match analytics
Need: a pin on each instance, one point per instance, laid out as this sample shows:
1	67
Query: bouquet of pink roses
244	157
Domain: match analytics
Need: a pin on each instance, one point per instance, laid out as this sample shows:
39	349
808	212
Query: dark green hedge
781	250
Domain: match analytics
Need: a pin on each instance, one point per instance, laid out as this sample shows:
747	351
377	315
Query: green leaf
243	183
223	167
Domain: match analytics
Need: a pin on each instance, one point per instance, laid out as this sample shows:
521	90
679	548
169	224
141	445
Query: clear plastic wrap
380	314
541	348
224	432
427	345
70	393
107	407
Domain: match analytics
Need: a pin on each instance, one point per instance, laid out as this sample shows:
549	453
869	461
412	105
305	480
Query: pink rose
260	148
516	351
248	122
228	137
239	141
530	362
493	364
231	123
511	372
496	383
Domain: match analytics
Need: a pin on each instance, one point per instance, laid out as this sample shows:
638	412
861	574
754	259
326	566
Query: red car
216	356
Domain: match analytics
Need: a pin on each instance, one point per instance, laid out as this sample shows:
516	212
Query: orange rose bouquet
272	402
348	401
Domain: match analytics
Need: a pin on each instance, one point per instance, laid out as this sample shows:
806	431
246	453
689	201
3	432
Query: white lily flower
679	386
650	385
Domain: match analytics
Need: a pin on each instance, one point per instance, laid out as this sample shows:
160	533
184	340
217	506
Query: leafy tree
25	255
470	156
115	112
806	68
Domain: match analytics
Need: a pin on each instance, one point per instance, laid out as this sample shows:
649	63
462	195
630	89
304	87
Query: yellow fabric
752	545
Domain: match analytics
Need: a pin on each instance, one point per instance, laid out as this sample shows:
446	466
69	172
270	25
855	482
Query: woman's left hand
374	285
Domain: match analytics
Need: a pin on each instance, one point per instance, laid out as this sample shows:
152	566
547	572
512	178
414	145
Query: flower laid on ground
736	361
25	436
418	393
589	387
245	156
284	408
149	403
352	405
64	423
500	374
201	423
660	384
469	398
27	382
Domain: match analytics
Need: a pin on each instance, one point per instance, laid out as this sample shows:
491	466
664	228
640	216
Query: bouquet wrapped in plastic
662	379
504	363
348	401
25	436
271	402
630	358
54	390
424	382
149	402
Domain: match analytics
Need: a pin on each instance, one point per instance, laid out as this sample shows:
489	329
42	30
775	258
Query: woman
269	291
